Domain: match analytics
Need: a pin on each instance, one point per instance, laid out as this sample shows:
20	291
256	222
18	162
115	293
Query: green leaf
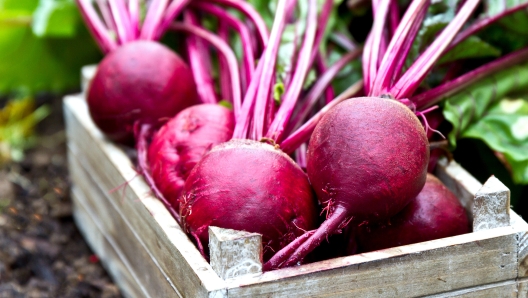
472	47
504	128
55	18
483	111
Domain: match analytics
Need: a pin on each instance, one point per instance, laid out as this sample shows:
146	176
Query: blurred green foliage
43	45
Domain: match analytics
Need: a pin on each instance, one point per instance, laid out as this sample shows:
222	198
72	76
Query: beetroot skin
369	156
251	186
140	81
435	213
180	144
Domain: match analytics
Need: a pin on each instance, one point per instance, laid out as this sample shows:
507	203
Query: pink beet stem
286	252
153	18
320	65
226	52
243	31
394	17
249	11
343	41
121	18
223	68
435	95
302	134
321	84
96	26
412	78
173	10
133	10
144	169
200	62
242	125
372	54
107	15
394	58
483	23
291	96
328	228
269	59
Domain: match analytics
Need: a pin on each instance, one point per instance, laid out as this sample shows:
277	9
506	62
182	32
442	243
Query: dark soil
42	253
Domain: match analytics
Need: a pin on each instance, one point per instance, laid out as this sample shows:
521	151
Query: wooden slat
125	240
506	289
105	251
433	267
175	253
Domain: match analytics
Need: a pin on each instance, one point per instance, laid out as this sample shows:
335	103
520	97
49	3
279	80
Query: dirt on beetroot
42	253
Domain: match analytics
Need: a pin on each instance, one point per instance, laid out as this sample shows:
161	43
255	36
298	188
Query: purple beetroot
435	213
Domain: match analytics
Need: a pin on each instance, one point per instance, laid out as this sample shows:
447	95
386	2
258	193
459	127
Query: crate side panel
111	260
111	224
111	168
416	274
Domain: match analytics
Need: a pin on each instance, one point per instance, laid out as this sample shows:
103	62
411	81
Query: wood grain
118	268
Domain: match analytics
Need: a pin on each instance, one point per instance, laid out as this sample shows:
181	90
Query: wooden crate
149	255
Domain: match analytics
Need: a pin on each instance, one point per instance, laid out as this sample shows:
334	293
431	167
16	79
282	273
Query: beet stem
412	78
328	228
249	11
96	26
394	17
483	23
435	95
343	41
400	45
154	16
122	21
302	134
286	252
200	62
107	15
320	65
291	96
321	84
174	9
243	31
372	54
269	59
224	50
133	10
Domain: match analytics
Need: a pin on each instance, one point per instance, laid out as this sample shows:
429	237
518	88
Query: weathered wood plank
408	271
506	289
491	207
164	238
235	253
112	260
522	288
459	181
130	244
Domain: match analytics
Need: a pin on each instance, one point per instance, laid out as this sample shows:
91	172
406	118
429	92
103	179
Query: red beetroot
139	81
435	213
252	186
367	159
181	143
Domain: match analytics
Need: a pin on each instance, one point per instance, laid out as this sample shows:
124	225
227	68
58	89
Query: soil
42	253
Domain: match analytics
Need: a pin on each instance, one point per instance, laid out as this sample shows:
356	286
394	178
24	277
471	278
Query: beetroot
367	159
139	81
435	213
182	142
252	186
